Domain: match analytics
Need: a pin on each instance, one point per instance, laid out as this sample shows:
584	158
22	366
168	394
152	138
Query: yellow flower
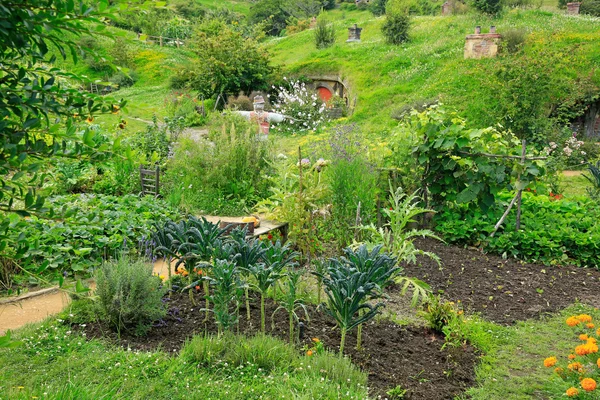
576	366
591	326
583	337
598	363
550	362
572	321
571	392
588	384
89	119
162	277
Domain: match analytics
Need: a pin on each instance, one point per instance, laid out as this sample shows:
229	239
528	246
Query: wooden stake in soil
520	192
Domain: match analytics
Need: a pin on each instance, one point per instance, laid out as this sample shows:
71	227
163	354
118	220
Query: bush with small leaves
129	296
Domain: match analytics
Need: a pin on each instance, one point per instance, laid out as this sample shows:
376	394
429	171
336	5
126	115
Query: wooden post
520	192
142	178
157	180
160	41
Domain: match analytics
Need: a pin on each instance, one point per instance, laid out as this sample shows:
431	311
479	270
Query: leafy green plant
247	254
291	303
572	240
397	392
129	296
395	235
324	34
226	294
347	291
491	7
395	28
380	267
267	273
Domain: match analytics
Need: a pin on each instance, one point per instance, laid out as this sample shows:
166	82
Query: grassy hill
431	66
383	78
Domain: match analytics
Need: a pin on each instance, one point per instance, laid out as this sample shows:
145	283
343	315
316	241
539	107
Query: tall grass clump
129	297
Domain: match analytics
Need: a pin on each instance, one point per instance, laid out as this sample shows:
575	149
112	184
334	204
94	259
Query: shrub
395	28
306	111
377	7
324	34
129	296
240	102
591	7
513	40
122	80
491	7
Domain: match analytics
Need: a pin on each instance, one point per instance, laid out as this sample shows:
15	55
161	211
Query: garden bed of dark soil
392	354
503	291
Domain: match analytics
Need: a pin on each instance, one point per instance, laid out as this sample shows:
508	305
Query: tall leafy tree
42	108
229	63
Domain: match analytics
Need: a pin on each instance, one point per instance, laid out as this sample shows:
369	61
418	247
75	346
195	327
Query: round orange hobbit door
324	93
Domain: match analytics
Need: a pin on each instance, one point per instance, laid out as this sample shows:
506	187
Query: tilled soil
392	354
503	291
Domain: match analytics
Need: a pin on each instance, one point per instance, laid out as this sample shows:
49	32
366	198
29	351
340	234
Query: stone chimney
447	8
354	33
573	8
482	45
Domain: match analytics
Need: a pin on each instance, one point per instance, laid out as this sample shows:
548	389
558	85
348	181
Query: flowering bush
582	371
302	106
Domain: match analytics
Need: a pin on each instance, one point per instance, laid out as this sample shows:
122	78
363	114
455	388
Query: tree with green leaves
229	62
42	108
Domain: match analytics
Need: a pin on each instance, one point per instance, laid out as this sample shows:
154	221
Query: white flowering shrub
302	107
563	156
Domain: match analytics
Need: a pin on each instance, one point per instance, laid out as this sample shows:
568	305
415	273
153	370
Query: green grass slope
431	66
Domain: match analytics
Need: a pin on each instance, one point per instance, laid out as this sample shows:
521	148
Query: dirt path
34	309
16	314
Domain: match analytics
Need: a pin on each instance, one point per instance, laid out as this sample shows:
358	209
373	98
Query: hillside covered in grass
385	78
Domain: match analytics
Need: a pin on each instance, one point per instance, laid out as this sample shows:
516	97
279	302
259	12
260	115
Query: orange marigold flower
576	366
197	287
571	392
316	340
583	337
598	332
572	321
572	356
584	318
550	362
591	348
588	384
591	326
581	350
309	353
598	363
592	340
558	370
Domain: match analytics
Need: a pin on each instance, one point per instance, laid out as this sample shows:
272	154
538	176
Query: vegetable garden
433	251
